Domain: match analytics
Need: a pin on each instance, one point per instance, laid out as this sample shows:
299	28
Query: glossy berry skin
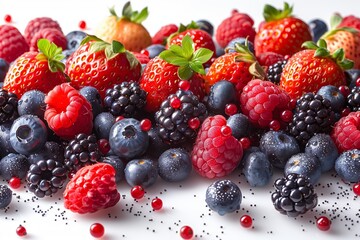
118	164
351	77
323	223
4	67
8	106
230	47
346	133
92	95
223	196
50	150
221	94
156	204
74	39
97	230
21	231
5	196
32	102
53	35
15	182
102	124
317	27
163	33
334	95
356	189
257	169
174	165
12	43
156	145
186	232
246	221
5	146
137	192
347	165
155	49
142	172
36	24
14	165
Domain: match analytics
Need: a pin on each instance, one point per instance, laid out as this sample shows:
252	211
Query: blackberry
294	195
173	117
274	71
353	99
5	196
125	99
46	177
313	114
81	151
8	106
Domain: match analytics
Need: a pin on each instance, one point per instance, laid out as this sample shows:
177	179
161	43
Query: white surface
182	205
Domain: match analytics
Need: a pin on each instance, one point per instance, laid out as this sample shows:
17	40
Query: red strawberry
282	33
68	113
216	153
37	24
237	25
162	74
36	71
12	43
163	33
101	65
52	34
350	21
91	189
310	69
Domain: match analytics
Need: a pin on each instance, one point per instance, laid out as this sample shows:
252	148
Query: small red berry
145	125
226	130
8	18
323	223
156	203
230	109
175	102
21	231
286	116
97	230
184	85
292	103
104	146
15	182
356	188
145	52
274	125
345	112
186	232
194	123
137	192
345	90
82	24
357	83
246	221
245	142
119	118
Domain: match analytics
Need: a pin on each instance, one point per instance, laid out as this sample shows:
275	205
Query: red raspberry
346	133
39	23
263	101
68	113
92	188
52	34
216	153
143	58
12	43
163	33
237	25
267	59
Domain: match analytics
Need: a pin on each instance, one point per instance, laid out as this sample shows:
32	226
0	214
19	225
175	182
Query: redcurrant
137	192
145	125
21	231
345	90
15	182
245	142
186	232
156	203
145	52
230	109
274	125
97	230
345	112
175	102
194	123
184	85
356	188
104	146
323	223
8	18
286	116
246	221
82	24
357	82
226	130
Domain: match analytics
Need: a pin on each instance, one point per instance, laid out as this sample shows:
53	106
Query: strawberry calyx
271	13
335	21
321	51
52	54
129	14
188	60
183	28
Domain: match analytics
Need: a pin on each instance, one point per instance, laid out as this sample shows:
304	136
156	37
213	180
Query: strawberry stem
51	53
270	13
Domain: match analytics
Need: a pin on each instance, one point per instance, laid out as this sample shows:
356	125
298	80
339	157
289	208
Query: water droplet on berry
194	123
226	131
356	189
97	230
323	223
230	109
145	125
15	182
245	143
184	85
8	18
156	203
186	232
21	231
274	125
82	24
137	192
246	221
175	102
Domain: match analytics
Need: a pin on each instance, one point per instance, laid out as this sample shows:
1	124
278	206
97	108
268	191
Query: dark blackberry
125	99
174	115
81	151
5	196
353	99
46	177
313	114
8	106
274	71
294	195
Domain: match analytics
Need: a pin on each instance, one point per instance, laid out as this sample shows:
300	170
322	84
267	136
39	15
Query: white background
183	205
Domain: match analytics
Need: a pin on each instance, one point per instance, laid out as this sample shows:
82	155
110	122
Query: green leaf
127	10
185	72
133	61
335	20
322	43
117	47
172	58
339	54
187	46
89	38
321	52
197	67
256	70
202	55
270	13
310	45
140	17
176	49
98	46
43	44
346	64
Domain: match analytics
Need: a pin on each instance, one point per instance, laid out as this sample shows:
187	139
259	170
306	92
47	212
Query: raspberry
215	154
263	102
52	34
163	33
346	133
12	43
143	58
267	59
92	188
37	24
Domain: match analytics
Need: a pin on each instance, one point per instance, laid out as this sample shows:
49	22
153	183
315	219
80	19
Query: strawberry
310	69
36	24
162	74
216	152
350	21
101	65
36	71
235	26
282	33
126	29
163	33
52	34
12	43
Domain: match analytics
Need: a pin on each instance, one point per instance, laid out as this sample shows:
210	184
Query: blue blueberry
14	165
323	147
5	146
67	53
143	172
206	26
156	145
219	50
257	169
102	124
279	147
230	47
333	94
5	196
223	196
347	165
155	49
239	124
127	140
221	93
317	27
51	150
4	67
304	164
174	165
351	76
93	96
118	165
32	102
28	134
74	39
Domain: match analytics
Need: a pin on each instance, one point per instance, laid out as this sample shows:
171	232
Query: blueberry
127	140
143	172
32	102
93	97
347	165
304	164
351	76
28	134
219	50
323	147
5	146
102	124
67	53
223	196
14	165
5	196
317	27
221	93
156	145
239	124
4	67
51	150
279	147
257	169
333	94
155	49
118	165
74	39
174	165
230	47
206	26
